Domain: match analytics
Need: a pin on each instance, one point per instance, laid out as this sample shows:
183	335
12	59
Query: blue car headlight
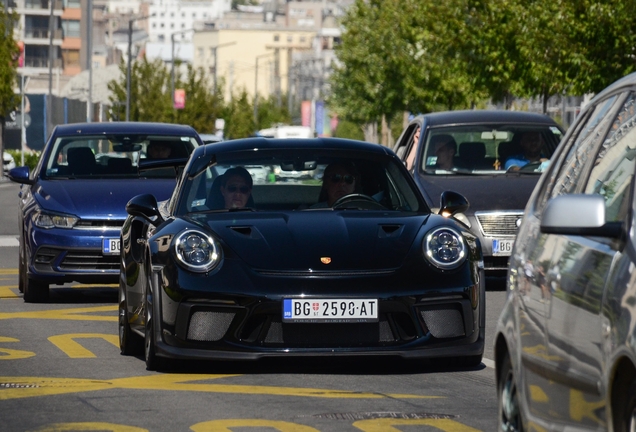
47	220
445	248
197	251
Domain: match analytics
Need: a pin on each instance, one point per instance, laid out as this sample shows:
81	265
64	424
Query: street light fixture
130	29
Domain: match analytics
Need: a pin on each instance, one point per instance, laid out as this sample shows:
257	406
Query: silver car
564	348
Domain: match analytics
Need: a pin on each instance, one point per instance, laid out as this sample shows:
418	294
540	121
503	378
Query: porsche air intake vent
443	322
208	326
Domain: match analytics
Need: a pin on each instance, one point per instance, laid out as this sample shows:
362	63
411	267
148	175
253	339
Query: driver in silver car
339	179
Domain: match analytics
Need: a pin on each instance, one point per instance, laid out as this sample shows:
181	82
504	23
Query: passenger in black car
236	188
445	148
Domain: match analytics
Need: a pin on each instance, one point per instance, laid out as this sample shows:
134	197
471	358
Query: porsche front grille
494	224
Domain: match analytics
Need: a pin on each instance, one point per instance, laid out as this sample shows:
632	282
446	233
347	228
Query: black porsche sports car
232	267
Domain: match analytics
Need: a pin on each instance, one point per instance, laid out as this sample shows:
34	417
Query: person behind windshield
445	148
531	144
158	150
339	179
236	187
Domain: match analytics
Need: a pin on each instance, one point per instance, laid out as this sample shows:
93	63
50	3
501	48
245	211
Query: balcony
41	62
41	7
40	36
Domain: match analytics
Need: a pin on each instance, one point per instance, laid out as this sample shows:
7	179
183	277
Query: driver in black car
340	179
531	144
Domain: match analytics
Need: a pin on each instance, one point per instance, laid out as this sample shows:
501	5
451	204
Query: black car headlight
43	219
445	248
197	251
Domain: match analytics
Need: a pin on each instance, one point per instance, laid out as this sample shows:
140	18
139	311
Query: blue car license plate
330	310
110	246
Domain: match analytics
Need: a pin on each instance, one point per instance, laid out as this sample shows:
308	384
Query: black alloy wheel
153	362
21	273
510	419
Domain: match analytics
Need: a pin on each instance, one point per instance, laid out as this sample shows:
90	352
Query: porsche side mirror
144	205
452	202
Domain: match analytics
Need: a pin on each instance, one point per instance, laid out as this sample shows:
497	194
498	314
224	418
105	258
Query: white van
284	131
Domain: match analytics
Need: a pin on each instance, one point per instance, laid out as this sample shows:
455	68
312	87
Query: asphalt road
60	369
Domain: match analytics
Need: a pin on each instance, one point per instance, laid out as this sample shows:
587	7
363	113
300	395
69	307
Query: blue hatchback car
73	205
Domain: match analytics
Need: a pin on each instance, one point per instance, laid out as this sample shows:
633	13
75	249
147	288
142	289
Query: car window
613	168
580	149
405	142
487	148
293	180
114	155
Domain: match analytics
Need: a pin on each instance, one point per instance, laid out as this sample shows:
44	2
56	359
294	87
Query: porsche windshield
296	179
489	149
113	155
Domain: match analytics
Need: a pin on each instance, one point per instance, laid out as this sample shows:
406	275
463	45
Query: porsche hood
319	240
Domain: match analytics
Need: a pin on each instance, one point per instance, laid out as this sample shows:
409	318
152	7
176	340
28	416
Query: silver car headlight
197	251
445	248
46	220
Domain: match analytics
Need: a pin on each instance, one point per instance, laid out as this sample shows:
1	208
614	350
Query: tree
151	100
270	113
9	53
239	116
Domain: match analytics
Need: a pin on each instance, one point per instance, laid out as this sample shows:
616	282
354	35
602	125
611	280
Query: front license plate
502	247
110	246
330	310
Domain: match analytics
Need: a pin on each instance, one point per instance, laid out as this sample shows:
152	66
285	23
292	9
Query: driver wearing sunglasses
236	187
339	179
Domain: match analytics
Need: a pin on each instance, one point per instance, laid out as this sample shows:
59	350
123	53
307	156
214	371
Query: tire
509	410
129	342
625	412
153	362
35	291
21	274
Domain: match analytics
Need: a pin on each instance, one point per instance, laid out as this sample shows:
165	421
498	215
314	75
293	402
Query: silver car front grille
493	224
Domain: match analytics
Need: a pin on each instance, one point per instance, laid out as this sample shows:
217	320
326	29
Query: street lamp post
130	29
172	60
256	86
216	69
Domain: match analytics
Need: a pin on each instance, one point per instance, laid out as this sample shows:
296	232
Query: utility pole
129	61
49	102
89	60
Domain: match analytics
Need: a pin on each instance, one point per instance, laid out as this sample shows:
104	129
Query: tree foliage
9	53
426	55
151	98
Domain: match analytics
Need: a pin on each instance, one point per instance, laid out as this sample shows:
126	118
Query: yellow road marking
226	425
11	354
89	426
27	387
386	425
6	291
72	349
8	271
72	314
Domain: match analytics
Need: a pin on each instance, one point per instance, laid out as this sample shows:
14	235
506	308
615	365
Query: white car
8	162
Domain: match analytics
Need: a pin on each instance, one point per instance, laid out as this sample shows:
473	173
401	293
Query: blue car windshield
293	179
113	155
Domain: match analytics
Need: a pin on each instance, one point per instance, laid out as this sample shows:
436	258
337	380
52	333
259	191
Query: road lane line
9	241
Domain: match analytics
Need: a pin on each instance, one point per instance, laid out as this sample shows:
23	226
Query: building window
289	38
71	28
200	52
276	38
194	15
182	14
182	26
171	25
162	38
161	25
71	58
303	39
71	4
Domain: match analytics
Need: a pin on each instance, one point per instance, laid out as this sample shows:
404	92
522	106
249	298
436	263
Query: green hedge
30	158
